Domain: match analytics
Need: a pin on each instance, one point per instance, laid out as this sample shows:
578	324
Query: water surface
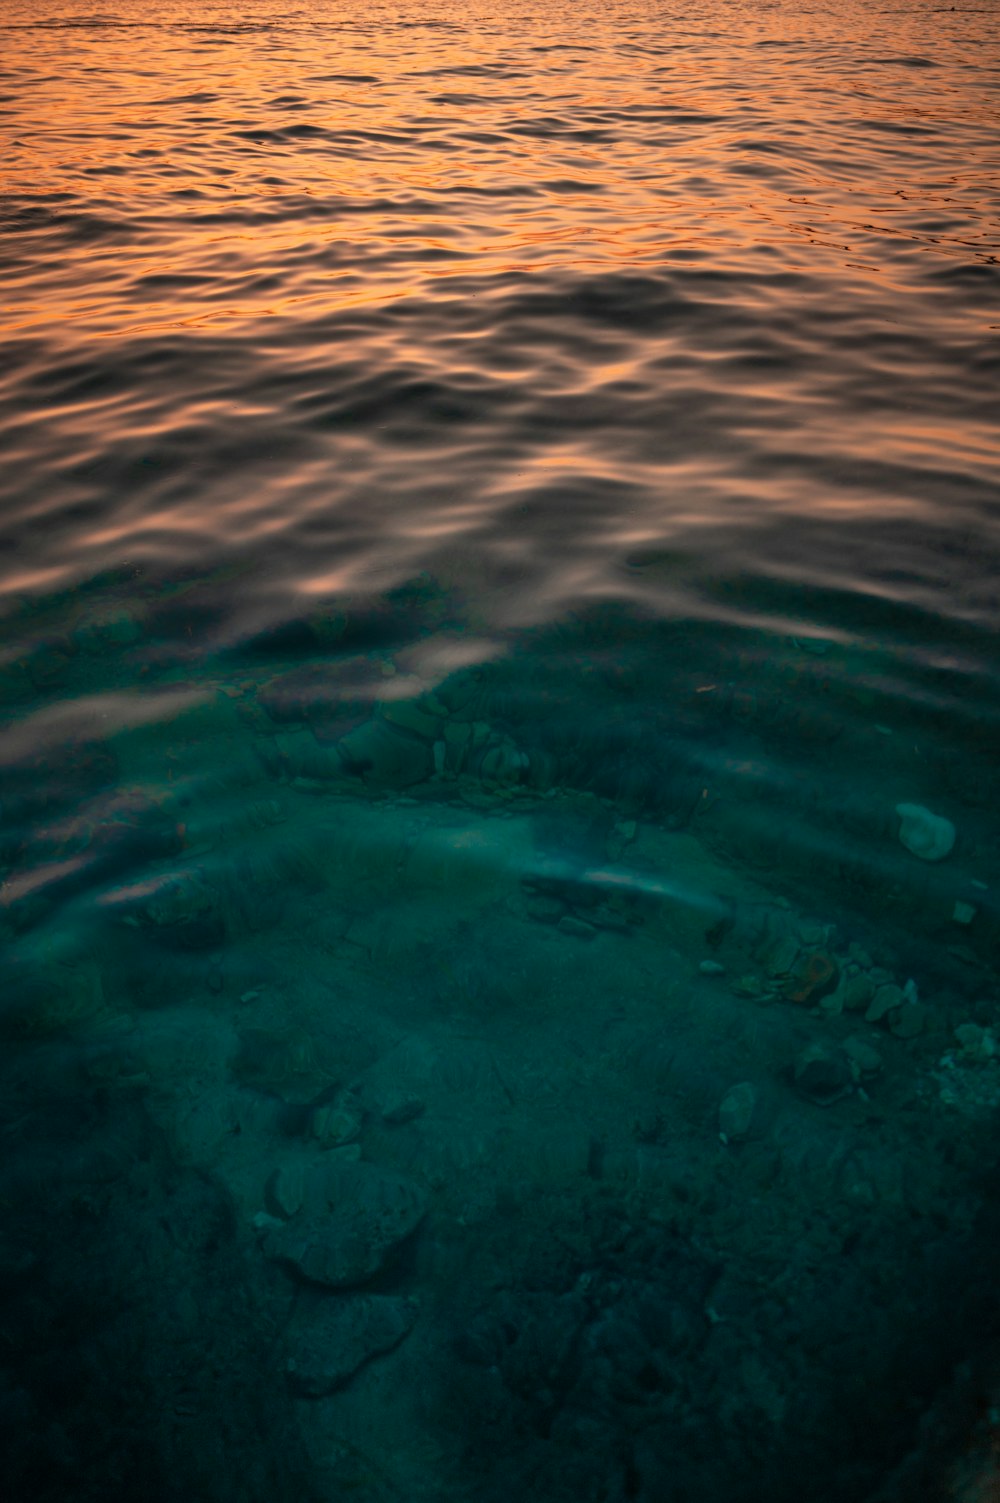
499	511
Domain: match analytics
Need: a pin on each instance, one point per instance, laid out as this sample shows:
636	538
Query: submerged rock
978	1045
780	958
503	764
335	1335
380	752
285	1190
814	975
864	1059
181	912
337	1122
929	836
887	1000
350	1226
853	993
400	1108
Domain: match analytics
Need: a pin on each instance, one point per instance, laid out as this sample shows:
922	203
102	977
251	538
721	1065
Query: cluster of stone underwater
335	1225
454	741
407	741
339	1226
797	962
438	738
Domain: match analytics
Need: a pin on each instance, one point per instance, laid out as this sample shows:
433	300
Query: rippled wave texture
533	298
499	702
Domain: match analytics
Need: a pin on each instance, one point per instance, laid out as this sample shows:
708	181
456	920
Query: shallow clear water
499	511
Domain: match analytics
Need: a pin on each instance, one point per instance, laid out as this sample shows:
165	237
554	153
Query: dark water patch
627	301
608	1290
749	143
336	637
460	101
103	841
396	402
473	70
238	29
275	136
163	281
571	185
667	115
77	381
94	1359
76	227
346	78
95	21
899	127
555	127
197	96
497	190
902	61
983	273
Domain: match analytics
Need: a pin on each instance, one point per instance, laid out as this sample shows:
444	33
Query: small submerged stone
285	1190
853	992
781	957
887	999
929	836
400	1108
380	752
753	987
337	1122
736	1112
575	927
503	764
864	1059
813	977
978	1045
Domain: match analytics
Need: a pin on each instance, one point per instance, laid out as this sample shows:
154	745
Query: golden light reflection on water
423	274
408	149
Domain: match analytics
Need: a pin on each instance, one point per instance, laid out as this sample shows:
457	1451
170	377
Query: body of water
499	793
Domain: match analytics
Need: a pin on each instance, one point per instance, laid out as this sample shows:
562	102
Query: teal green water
499	846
